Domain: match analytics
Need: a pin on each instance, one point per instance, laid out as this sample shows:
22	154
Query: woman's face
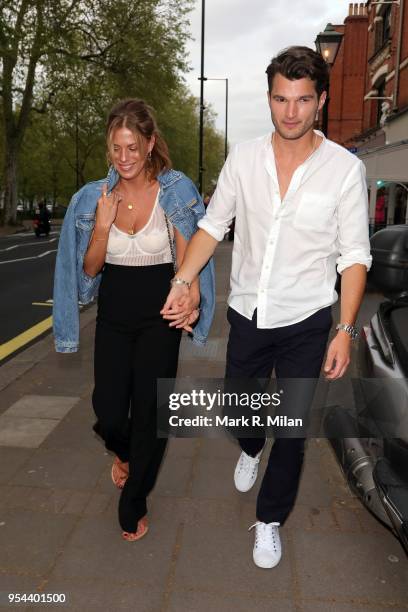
128	153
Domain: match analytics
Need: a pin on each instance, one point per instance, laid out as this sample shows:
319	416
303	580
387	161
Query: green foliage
63	66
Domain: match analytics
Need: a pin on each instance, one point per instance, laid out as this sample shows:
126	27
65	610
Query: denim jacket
183	206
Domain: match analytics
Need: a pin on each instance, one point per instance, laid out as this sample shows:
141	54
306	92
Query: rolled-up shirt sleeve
352	217
221	210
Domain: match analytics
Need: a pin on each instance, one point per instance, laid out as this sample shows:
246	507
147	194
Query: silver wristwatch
349	329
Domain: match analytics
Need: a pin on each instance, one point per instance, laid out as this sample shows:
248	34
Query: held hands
181	307
107	208
338	356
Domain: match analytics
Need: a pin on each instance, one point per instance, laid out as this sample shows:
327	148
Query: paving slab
23	432
42	406
223	564
39	545
77	470
199	513
11	460
93	596
97	552
338	606
174	476
199	601
354	564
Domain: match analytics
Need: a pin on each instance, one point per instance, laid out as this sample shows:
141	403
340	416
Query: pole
398	58
77	147
201	132
226	119
325	122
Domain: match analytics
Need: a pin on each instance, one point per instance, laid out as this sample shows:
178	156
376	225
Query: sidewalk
58	508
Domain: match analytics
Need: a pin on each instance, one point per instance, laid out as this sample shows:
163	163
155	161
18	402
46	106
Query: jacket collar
165	178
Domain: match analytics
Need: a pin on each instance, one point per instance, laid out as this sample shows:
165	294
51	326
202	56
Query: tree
128	44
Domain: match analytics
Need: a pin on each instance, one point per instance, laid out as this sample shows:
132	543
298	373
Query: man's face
294	105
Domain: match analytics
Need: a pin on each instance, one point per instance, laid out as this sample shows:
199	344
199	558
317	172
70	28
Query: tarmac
58	507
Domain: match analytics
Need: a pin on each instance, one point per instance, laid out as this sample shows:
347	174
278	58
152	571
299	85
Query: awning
387	163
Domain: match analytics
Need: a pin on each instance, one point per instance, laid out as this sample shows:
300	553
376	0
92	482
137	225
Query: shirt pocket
316	212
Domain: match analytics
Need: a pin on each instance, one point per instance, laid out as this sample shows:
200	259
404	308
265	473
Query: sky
241	37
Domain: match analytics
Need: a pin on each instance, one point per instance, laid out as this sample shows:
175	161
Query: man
300	203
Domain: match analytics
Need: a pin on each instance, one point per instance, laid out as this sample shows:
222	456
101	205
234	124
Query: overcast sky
241	36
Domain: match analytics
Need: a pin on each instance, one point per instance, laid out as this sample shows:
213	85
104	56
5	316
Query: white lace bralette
149	246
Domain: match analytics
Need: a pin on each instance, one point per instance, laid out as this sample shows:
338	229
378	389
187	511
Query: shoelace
246	463
268	535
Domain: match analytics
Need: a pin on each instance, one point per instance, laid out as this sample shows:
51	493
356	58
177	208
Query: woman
145	215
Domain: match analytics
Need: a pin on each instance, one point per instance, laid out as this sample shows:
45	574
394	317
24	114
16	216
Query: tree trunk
10	182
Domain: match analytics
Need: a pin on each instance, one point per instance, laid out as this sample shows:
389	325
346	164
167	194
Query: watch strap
349	329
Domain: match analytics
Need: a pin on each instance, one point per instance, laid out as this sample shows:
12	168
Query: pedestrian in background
129	234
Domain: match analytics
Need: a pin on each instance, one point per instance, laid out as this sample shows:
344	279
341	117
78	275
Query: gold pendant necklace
130	206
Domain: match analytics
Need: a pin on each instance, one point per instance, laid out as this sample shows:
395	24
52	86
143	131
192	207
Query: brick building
347	78
368	109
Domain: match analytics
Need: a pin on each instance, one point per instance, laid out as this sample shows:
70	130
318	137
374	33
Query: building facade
347	77
368	110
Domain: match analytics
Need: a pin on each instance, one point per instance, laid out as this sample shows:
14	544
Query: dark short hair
298	63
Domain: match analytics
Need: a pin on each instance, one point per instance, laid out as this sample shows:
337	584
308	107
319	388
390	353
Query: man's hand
181	307
338	356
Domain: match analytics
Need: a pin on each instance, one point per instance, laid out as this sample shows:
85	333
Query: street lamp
328	45
201	126
226	112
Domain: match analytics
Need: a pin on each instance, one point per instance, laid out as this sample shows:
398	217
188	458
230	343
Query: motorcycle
371	440
41	226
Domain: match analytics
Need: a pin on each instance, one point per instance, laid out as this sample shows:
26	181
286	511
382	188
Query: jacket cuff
66	347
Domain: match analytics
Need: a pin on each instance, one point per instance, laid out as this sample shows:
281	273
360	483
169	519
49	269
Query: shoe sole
267	566
244	490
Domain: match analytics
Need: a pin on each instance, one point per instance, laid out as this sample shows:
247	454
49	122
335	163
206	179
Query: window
383	28
380	94
386	24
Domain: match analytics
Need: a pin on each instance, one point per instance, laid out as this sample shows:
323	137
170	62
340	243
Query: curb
28	358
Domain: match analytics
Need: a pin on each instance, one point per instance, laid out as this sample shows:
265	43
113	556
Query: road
26	281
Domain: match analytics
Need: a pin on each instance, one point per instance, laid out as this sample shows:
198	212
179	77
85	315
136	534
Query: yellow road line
13	345
42	304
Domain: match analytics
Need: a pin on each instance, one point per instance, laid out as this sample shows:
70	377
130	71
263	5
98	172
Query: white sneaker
267	548
246	471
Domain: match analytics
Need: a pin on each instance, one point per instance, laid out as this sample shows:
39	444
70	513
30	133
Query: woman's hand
107	209
181	307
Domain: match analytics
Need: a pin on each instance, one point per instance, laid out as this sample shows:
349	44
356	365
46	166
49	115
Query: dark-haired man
300	203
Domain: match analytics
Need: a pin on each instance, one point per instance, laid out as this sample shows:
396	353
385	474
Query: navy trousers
293	351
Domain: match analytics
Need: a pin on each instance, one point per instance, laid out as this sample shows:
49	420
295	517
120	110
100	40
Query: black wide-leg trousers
294	351
133	347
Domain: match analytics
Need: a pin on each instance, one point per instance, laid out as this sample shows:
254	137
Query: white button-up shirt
285	252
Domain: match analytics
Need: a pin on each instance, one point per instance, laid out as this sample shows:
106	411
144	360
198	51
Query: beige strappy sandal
142	529
119	473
